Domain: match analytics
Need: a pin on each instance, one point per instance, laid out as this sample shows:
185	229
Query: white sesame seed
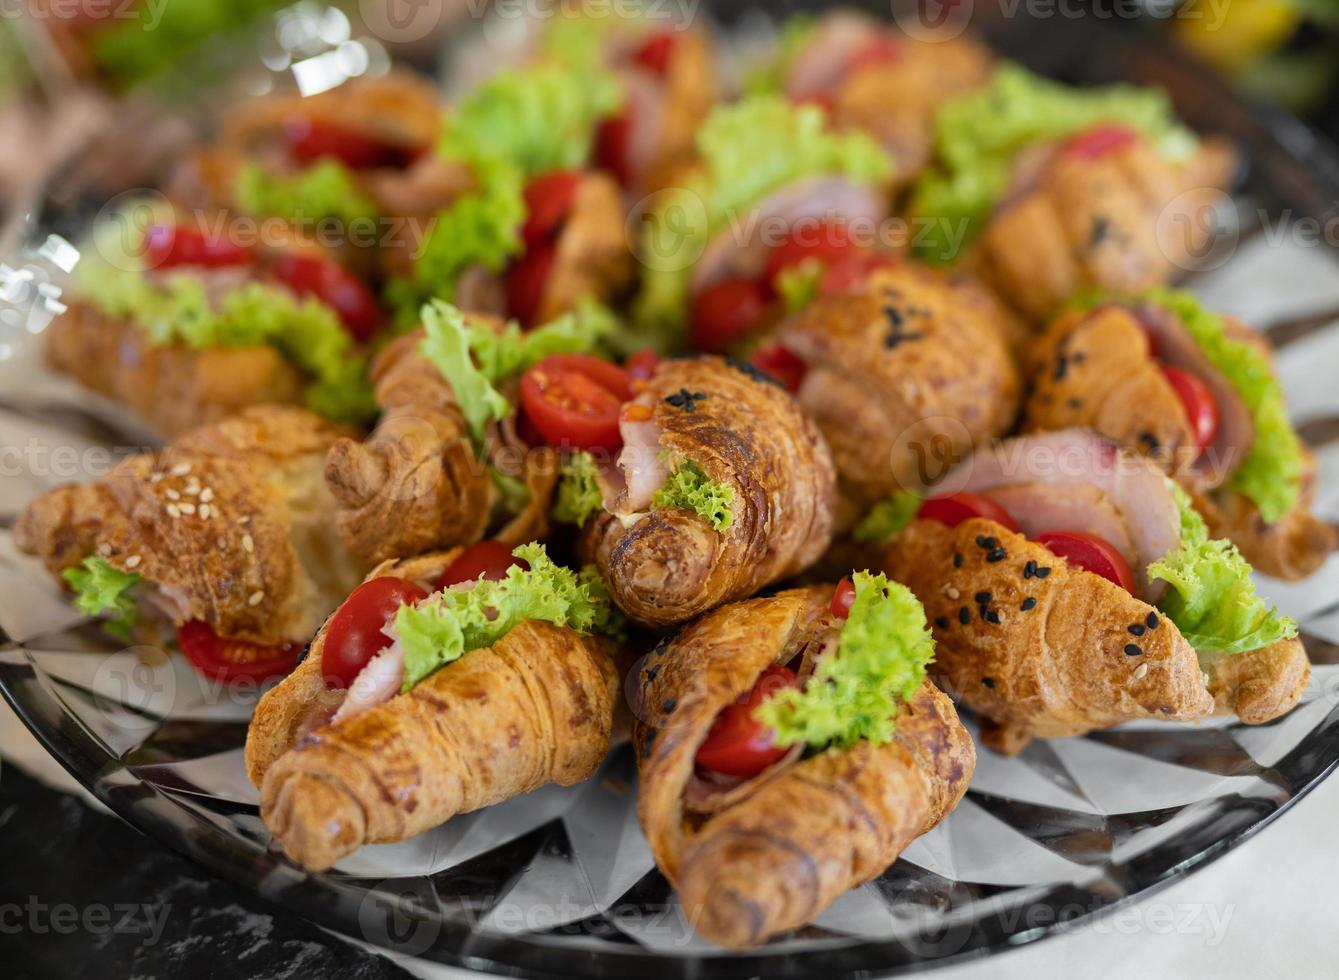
104	549
244	519
952	592
193	490
188	508
133	561
172	494
207	494
173	510
181	469
205	512
221	542
255	598
1205	676
1141	672
155	477
248	543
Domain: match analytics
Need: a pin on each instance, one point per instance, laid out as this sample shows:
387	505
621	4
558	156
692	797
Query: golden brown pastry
744	436
230	525
770	853
592	259
534	708
904	375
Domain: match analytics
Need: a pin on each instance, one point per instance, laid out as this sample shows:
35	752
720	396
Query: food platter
561	882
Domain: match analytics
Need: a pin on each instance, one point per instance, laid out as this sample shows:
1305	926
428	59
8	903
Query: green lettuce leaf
579	496
1212	599
324	190
609	619
689	488
451	623
887	517
977	136
101	590
798	286
855	691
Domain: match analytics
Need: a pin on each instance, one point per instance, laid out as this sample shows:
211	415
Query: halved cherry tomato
655	52
880	50
1198	401
611	147
843	598
310	140
488	559
827	242
1091	553
167	246
336	287
954	508
527	278
724	314
227	660
1099	141
548	202
850	272
573	400
356	632
738	744
782	364
641	365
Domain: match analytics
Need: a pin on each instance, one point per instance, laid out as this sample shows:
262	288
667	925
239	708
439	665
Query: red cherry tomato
611	147
336	287
488	559
527	279
851	272
843	598
641	365
1198	401
1091	553
233	660
356	632
655	53
881	50
573	400
954	508
1099	141
782	364
724	314
173	245
310	140
827	242
548	202
738	744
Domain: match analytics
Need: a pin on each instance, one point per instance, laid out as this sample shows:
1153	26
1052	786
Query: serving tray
560	883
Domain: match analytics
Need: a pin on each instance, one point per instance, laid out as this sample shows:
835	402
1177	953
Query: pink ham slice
824	60
1040	474
646	108
378	682
644	470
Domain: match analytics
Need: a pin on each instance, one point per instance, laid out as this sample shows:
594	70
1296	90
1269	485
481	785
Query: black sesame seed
1136	629
964	615
985	541
896	337
999	554
983	597
894	317
651	673
991	616
1041	571
1078	357
1028	603
1151	441
941	622
1061	366
670	705
685	399
1098	233
957	560
988	681
753	371
1152	620
1074	403
1131	650
1030	569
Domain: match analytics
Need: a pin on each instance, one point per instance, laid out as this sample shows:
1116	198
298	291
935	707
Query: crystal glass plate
560	883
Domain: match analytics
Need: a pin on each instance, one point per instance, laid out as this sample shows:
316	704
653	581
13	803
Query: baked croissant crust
791	840
171	387
1083	654
535	708
593	258
415	484
230	524
1127	220
744	430
905	375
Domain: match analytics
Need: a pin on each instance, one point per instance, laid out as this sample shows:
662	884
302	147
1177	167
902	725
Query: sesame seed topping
248	543
1140	672
173	510
942	622
181	469
193	489
1030	569
104	549
982	597
991	616
957	559
986	541
172	494
988	681
964	615
133	561
1133	650
187	508
999	554
205	511
1061	366
1204	676
1136	629
155	477
255	598
670	705
207	494
952	592
1152	620
1029	603
1042	571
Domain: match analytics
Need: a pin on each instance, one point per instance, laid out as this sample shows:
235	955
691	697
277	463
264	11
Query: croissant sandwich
193	320
441	685
722	486
1073	586
225	540
1195	392
1056	190
789	748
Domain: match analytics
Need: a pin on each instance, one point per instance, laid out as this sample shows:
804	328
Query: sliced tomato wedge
1097	142
826	242
610	150
1091	553
357	630
781	363
1199	403
641	365
573	401
850	273
548	202
738	744
169	245
655	52
310	140
954	508
229	661
488	559
725	313
336	287
527	278
843	598
876	52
